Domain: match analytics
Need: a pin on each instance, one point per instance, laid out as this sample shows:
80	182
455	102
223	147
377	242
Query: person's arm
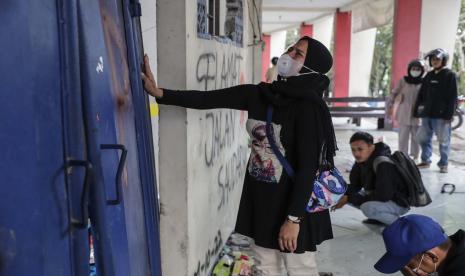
385	182
355	179
352	193
236	97
396	90
451	96
392	98
420	97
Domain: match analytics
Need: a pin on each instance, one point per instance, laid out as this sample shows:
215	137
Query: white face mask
288	67
415	73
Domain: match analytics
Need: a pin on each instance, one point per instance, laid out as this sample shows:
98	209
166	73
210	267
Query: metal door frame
132	12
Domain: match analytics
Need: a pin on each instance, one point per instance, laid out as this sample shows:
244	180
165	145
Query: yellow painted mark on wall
153	109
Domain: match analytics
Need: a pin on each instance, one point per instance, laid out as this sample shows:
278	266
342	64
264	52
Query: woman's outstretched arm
236	97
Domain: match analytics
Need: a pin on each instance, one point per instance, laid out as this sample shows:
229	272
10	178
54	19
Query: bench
357	112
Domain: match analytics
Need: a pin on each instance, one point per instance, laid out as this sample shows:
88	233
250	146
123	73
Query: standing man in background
436	105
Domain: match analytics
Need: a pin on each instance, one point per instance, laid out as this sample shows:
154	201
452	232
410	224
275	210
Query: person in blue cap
416	245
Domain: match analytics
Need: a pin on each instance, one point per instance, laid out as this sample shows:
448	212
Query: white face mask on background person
415	73
288	67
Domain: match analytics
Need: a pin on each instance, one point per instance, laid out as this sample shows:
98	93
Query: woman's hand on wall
150	84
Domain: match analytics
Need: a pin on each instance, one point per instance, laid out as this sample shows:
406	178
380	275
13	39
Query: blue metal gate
76	133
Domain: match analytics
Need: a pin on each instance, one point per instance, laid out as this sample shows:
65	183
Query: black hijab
415	80
310	87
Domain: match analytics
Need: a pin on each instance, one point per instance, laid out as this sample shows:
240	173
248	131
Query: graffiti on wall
222	125
218	70
230	174
222	146
209	256
221	129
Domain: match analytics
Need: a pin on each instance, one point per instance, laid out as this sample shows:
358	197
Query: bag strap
270	135
381	159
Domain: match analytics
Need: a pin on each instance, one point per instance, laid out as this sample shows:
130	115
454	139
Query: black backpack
418	196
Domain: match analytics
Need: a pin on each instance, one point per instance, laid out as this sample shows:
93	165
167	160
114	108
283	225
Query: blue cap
406	237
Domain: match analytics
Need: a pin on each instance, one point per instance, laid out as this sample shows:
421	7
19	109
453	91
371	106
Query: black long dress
268	194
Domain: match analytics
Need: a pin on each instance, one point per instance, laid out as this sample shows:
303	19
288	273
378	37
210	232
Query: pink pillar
265	55
306	29
406	37
342	36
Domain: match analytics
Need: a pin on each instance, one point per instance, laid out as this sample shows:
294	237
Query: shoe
443	169
423	165
373	221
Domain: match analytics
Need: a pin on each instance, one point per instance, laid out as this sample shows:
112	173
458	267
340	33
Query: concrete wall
203	154
361	59
172	173
439	21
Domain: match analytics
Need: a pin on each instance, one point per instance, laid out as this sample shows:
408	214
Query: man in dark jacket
417	245
436	105
380	195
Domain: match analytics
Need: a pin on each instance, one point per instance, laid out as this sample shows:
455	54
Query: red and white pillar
406	36
342	38
266	55
306	30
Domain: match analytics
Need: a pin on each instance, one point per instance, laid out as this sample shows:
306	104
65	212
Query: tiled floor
356	246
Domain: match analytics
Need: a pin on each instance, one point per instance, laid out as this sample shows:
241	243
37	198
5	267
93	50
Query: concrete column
439	20
361	59
406	37
306	29
323	30
266	55
203	153
342	54
173	139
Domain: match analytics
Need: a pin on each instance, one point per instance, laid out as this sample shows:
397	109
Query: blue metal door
76	148
44	171
120	210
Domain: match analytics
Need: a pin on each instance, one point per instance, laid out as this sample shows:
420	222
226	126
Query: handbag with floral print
328	186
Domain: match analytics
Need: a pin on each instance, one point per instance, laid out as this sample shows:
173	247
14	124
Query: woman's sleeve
236	97
307	159
387	180
355	178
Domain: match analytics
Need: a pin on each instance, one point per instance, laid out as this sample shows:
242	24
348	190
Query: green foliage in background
380	80
292	36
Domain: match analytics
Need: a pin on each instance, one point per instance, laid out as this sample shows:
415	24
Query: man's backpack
418	196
